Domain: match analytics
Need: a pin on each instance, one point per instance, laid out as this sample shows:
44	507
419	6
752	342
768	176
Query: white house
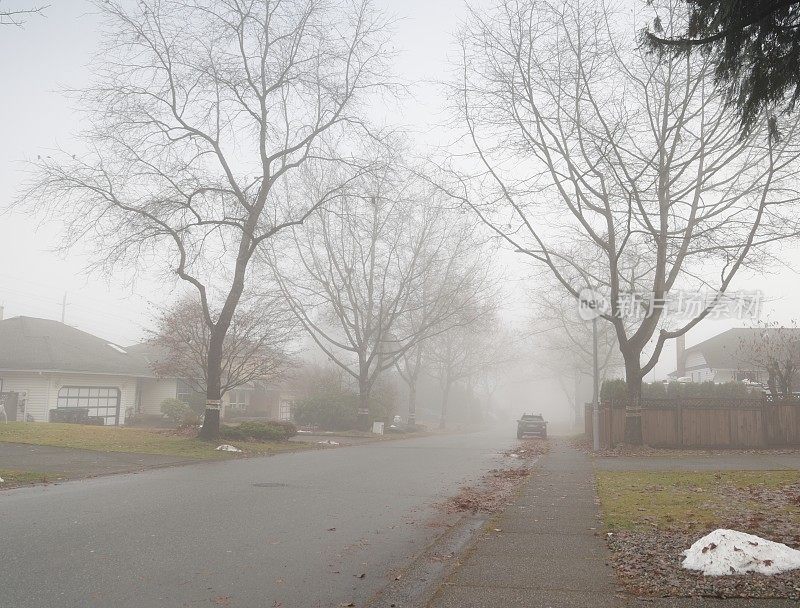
54	367
719	359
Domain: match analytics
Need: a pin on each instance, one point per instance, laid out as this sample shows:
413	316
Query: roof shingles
32	344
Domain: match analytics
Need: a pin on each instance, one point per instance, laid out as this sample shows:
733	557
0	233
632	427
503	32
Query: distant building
719	359
52	366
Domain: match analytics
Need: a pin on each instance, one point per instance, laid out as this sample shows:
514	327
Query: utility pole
64	308
590	306
595	391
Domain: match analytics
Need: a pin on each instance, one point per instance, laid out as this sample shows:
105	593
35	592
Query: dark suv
531	424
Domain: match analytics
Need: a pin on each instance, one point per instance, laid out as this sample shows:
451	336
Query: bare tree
18	16
612	169
202	113
377	275
458	279
466	351
255	347
774	349
563	342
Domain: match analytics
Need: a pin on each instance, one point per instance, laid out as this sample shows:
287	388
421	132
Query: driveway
307	529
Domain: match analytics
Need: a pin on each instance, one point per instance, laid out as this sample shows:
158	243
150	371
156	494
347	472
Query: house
719	359
52	367
257	399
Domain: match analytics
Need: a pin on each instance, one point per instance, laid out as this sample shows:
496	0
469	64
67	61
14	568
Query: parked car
531	424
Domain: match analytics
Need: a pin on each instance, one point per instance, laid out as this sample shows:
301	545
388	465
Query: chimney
680	355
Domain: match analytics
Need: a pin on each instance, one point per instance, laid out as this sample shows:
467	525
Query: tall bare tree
458	280
466	351
378	275
255	347
614	170
563	342
775	349
18	16
202	114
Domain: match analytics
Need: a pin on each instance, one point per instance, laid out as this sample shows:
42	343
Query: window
239	399
183	391
285	409
750	376
101	401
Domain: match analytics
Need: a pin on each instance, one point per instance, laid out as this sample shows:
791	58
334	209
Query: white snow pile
724	552
228	448
329	442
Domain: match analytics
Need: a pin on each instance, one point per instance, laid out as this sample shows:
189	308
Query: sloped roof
723	350
148	351
32	344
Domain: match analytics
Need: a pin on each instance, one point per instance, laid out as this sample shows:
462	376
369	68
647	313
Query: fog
52	53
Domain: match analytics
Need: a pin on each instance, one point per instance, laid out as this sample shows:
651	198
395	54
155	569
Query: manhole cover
270	484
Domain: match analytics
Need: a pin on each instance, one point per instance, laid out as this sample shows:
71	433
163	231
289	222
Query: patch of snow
724	552
329	442
228	448
2	480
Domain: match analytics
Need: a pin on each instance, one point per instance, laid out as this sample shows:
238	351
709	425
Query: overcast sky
52	52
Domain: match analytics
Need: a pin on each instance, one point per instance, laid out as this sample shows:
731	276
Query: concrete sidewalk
548	551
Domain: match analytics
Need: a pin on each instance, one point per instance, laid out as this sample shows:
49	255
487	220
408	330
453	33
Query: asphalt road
293	530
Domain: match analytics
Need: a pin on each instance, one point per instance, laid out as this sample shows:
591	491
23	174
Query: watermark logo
592	304
743	305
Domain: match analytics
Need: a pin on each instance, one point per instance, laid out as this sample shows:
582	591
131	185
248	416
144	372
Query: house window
750	376
285	409
101	401
183	391
239	399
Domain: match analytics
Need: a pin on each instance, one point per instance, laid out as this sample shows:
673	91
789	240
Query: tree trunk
210	429
362	418
445	402
412	404
633	411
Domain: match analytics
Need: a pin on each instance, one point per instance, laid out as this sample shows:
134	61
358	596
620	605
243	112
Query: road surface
308	529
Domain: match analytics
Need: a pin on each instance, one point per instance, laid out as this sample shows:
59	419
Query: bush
617	390
274	430
288	427
179	413
336	411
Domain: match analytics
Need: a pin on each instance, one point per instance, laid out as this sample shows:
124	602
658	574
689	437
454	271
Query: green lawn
637	499
144	441
12	479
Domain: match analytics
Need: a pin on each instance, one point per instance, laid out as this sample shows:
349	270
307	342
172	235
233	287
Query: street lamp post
595	390
590	306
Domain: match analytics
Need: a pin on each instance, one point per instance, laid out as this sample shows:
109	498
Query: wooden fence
703	423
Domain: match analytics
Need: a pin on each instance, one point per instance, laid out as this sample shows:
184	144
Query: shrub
179	413
613	389
288	427
617	390
277	430
336	411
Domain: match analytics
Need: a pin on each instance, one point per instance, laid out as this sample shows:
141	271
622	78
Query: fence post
679	423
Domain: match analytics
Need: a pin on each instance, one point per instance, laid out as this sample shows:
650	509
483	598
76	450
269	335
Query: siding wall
43	390
153	392
38	388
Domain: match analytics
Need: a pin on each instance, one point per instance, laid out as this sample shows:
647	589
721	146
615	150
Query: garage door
102	401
